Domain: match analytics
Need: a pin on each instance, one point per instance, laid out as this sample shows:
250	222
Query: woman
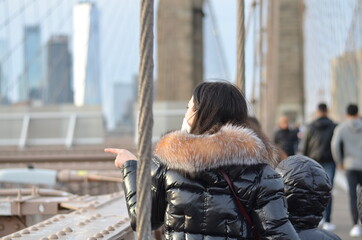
190	197
308	190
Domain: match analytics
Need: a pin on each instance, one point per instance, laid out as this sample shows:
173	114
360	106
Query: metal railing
51	128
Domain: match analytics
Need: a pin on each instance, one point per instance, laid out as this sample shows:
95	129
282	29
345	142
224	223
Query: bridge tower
180	48
282	88
179	60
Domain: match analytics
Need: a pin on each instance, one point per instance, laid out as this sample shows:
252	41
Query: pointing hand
122	156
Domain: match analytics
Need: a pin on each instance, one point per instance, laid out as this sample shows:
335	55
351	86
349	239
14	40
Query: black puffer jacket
308	190
316	141
193	201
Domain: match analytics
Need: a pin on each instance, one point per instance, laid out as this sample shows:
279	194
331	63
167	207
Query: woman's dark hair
217	104
220	103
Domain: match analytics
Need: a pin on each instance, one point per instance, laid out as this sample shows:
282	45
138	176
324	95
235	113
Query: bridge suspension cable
145	121
240	75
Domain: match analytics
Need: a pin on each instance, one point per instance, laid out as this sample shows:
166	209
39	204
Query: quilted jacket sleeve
129	174
270	210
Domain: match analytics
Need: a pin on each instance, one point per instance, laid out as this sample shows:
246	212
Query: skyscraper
31	84
86	72
58	89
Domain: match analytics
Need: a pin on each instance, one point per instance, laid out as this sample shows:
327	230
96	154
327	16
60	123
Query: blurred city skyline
119	40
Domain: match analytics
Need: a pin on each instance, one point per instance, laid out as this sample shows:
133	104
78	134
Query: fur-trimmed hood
231	145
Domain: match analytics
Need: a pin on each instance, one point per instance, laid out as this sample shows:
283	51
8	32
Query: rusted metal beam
33	201
10	224
95	217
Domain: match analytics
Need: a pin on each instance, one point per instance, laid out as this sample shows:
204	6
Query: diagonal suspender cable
145	121
240	75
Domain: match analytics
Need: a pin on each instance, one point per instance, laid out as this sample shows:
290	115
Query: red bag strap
239	205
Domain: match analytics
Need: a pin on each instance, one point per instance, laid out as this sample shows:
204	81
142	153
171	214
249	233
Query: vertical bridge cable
240	76
145	122
255	46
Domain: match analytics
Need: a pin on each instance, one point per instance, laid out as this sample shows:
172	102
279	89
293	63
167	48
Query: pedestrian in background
316	144
307	189
286	138
347	152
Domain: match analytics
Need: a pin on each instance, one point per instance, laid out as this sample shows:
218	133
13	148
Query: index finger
112	150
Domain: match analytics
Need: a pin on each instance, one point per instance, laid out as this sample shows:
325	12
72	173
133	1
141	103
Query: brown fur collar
230	146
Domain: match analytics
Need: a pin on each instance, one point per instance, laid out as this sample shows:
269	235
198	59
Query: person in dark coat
308	190
190	197
316	144
286	138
